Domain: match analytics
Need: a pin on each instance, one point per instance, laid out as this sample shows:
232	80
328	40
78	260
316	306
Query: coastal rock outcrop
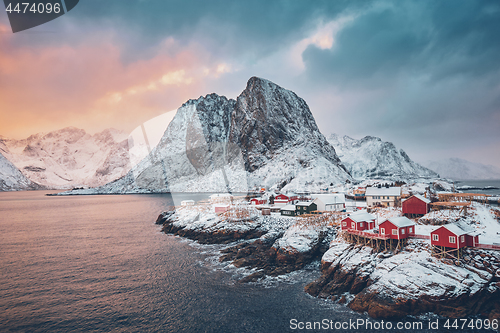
412	282
273	245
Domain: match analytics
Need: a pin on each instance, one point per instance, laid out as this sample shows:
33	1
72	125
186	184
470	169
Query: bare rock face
408	283
267	137
268	118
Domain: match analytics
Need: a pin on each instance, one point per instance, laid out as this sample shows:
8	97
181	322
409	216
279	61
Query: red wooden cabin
397	227
283	199
454	235
416	205
258	201
360	220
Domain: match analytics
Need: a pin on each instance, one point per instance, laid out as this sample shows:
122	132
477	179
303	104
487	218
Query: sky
424	75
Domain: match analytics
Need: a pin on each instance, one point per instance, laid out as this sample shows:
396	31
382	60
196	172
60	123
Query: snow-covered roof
424	199
389	191
288	207
401	221
361	216
459	228
304	203
329	199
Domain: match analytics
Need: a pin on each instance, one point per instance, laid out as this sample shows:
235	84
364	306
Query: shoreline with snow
383	284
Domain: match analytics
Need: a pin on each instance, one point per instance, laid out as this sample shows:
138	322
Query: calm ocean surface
99	264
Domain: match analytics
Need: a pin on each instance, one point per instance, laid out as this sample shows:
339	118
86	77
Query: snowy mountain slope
70	157
460	169
267	137
371	157
11	179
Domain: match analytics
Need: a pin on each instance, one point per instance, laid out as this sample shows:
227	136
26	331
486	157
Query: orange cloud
89	86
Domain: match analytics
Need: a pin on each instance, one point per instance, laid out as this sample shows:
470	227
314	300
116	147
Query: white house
187	203
384	196
329	202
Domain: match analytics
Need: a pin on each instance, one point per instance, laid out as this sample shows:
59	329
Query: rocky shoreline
384	285
389	286
266	248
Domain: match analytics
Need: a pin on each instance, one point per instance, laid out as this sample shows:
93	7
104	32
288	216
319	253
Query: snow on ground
409	274
239	218
301	236
415	188
291	234
385	213
486	223
425	230
440	217
414	272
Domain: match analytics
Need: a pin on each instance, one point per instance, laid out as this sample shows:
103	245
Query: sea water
100	264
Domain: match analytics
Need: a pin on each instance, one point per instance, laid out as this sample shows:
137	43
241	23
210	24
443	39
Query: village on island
381	216
387	248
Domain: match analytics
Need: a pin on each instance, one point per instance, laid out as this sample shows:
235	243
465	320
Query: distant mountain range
69	157
460	169
370	157
267	137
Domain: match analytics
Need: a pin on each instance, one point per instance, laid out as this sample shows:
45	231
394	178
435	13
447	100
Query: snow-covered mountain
460	169
266	137
70	157
11	179
371	157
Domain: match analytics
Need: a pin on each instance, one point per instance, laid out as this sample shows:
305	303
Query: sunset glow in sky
422	74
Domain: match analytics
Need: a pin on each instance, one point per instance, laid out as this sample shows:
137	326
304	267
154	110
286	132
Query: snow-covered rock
460	169
70	157
11	179
411	282
267	137
371	157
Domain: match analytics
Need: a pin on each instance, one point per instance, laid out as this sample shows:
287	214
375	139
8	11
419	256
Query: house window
394	231
403	231
360	224
462	239
344	224
411	229
435	237
382	231
452	239
353	225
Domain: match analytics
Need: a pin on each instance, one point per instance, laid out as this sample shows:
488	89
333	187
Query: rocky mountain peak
266	137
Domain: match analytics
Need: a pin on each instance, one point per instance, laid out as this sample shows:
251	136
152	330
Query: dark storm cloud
423	73
419	73
434	38
249	29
